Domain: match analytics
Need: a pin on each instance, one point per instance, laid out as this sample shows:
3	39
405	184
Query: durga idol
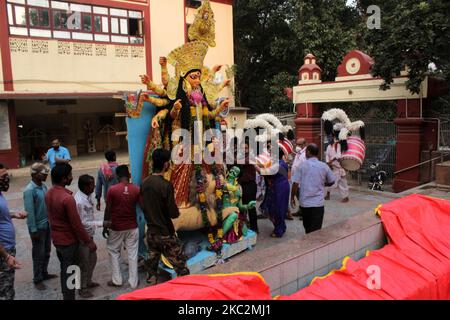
189	100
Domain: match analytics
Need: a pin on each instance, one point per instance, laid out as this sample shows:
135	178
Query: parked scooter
377	177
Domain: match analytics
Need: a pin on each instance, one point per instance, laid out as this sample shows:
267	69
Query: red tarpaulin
415	265
237	286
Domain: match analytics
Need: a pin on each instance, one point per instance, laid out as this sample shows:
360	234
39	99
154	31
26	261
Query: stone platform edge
290	266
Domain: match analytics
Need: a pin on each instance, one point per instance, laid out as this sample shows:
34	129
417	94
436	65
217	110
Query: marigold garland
219	207
215	244
201	195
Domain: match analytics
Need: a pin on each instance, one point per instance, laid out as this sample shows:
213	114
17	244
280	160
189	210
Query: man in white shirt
85	208
333	157
300	157
300	153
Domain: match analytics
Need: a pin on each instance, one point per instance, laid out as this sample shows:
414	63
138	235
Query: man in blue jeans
37	221
8	264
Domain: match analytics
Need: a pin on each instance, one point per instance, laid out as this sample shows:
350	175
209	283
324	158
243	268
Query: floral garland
215	244
202	198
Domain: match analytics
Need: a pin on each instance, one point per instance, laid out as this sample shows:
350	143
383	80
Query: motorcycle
377	177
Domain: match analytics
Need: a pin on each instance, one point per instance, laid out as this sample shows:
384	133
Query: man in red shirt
65	224
121	202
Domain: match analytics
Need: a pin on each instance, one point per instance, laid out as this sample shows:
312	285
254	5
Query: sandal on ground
112	284
152	280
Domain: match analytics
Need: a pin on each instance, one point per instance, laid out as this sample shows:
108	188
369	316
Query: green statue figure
234	226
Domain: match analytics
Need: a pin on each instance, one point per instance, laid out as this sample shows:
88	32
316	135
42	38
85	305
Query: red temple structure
355	82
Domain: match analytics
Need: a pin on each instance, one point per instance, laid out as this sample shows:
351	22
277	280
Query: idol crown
188	57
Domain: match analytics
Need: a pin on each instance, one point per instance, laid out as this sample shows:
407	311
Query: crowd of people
54	215
298	187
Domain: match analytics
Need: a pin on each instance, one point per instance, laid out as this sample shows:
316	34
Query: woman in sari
276	200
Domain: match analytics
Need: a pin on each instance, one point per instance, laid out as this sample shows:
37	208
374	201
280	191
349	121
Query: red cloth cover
238	286
414	265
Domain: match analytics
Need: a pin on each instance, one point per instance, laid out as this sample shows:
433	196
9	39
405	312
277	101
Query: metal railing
441	158
444	137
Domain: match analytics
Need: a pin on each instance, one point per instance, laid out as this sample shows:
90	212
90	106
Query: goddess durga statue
189	97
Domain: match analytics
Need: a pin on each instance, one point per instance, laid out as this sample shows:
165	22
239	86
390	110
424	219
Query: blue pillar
138	131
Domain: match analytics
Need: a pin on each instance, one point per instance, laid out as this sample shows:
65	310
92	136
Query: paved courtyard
360	202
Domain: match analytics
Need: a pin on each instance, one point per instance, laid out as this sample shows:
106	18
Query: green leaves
412	35
272	38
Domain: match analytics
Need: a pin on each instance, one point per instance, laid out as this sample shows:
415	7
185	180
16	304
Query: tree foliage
272	37
258	25
414	33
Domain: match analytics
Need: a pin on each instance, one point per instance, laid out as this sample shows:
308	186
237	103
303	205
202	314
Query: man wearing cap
38	226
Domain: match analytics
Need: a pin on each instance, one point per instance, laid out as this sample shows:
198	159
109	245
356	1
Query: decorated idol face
194	79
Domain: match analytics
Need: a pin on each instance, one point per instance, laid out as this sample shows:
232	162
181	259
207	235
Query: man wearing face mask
8	262
57	154
300	157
